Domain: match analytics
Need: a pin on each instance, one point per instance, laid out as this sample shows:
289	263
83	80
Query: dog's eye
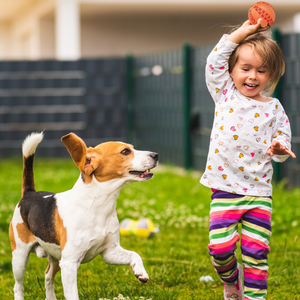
126	151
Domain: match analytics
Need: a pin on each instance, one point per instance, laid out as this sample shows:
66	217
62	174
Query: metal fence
157	102
173	111
202	109
158	105
290	96
85	96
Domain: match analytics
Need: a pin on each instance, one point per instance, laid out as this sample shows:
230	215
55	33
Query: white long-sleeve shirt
243	130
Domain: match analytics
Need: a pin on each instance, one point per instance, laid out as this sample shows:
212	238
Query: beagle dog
73	227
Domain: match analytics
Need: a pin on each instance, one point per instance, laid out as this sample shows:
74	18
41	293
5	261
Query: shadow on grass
5	267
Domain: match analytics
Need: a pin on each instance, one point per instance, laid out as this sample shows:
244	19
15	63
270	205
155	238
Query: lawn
175	258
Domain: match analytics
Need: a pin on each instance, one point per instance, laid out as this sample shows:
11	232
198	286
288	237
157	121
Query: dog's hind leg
22	241
20	258
52	269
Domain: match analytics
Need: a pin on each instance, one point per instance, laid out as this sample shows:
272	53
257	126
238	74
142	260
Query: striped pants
227	211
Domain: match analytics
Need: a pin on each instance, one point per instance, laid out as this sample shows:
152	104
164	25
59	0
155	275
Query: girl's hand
278	149
245	30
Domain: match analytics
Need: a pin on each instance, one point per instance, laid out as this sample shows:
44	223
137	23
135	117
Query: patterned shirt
242	132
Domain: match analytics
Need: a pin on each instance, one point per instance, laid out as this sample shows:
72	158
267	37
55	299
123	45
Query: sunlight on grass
175	258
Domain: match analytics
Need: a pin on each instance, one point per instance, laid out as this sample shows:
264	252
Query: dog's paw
140	273
142	277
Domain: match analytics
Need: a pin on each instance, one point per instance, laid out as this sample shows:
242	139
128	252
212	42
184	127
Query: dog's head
111	160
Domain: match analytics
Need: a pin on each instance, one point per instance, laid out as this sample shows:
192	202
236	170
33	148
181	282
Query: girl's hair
270	53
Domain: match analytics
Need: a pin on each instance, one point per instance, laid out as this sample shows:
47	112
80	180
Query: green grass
175	258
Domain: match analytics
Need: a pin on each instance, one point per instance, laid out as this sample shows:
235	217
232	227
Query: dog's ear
77	149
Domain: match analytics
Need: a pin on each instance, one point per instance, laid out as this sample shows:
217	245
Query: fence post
186	52
129	99
276	35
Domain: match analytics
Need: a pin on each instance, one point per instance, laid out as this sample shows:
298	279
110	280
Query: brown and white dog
73	227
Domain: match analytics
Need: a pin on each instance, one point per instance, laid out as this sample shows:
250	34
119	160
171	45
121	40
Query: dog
73	227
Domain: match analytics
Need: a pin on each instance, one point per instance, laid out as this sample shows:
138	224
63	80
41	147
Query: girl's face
248	75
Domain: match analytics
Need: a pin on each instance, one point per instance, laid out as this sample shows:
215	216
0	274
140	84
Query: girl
250	129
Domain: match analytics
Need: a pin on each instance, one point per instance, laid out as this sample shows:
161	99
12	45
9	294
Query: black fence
85	96
157	102
289	93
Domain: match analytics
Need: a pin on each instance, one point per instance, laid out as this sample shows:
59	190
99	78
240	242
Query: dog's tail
28	149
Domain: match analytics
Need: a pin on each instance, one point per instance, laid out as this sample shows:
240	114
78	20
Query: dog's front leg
69	278
116	255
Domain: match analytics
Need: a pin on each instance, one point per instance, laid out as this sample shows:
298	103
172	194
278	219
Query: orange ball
262	10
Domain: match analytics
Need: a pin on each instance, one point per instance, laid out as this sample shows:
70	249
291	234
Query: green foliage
175	258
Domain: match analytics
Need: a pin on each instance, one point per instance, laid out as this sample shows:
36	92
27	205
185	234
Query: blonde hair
270	53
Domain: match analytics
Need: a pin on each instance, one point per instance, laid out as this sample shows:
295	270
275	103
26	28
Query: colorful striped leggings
227	211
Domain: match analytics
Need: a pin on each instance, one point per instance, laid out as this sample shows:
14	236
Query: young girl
249	130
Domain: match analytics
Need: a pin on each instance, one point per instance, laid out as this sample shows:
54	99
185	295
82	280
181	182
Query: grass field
175	258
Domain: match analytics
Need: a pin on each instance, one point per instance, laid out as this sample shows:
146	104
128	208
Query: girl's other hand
278	149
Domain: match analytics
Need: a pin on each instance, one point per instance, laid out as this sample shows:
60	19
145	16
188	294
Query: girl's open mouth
250	86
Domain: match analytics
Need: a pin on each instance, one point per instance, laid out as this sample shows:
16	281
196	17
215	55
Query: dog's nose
154	156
